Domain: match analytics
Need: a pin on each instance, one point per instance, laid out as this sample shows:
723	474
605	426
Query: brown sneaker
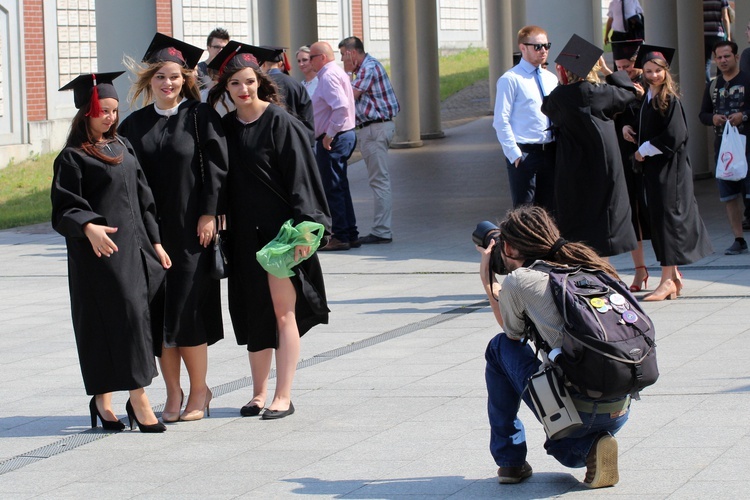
513	475
601	464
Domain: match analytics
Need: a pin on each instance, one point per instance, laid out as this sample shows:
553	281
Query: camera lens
484	233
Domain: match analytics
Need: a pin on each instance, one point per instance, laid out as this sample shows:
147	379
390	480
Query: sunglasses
539	46
313	56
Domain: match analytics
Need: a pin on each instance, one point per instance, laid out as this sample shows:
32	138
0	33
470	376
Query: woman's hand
639	89
301	252
603	66
100	242
638	156
206	230
628	133
166	262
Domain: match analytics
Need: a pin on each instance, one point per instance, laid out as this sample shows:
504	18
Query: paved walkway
390	395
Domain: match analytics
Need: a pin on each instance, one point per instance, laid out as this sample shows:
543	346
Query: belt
320	137
527	148
378	120
613	407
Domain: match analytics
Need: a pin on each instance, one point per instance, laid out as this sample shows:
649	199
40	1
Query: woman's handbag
554	405
220	263
731	165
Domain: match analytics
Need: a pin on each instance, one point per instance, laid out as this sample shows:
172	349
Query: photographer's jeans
333	166
509	365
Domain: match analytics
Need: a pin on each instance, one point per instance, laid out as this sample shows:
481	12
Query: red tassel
95	109
287	66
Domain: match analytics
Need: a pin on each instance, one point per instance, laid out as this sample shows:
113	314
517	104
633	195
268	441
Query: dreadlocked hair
532	232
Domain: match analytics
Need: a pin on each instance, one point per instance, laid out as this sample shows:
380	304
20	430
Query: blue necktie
538	78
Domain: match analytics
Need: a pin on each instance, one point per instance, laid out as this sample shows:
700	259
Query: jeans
374	141
332	166
533	181
509	365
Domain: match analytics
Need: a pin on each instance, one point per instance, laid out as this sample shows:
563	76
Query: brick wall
357	29
35	77
164	16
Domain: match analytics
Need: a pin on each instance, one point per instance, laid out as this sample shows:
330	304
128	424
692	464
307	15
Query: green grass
24	186
461	70
24	191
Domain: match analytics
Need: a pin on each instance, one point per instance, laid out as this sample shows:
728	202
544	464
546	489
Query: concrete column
273	22
597	25
428	65
403	45
518	16
661	27
501	40
304	30
689	18
123	28
742	17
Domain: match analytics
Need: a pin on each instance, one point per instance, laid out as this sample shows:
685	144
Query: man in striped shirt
376	106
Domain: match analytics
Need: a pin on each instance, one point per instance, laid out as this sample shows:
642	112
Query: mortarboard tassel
287	66
95	109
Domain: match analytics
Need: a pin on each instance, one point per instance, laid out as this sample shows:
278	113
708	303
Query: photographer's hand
492	289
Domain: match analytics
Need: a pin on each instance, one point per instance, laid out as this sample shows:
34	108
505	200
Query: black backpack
608	348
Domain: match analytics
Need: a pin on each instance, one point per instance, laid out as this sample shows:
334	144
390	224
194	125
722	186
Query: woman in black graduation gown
181	147
104	208
273	178
678	234
592	204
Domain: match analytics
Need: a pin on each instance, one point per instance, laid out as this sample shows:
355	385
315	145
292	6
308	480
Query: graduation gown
590	191
678	234
109	296
273	178
297	100
185	186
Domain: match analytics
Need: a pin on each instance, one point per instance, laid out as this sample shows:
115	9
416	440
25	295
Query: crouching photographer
525	239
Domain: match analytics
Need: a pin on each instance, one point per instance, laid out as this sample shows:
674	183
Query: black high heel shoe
107	425
157	427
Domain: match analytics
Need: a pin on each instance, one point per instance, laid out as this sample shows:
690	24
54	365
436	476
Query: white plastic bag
731	165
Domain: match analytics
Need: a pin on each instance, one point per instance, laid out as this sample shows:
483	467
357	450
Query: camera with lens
486	232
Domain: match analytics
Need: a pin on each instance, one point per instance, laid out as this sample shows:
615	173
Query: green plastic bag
277	257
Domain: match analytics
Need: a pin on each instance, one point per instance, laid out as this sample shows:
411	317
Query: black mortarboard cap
164	48
277	54
239	55
625	49
83	88
579	56
648	52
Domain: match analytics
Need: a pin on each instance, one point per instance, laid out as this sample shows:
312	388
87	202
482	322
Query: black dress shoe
276	414
371	239
250	410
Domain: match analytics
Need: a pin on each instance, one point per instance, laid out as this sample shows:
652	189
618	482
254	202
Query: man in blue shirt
522	128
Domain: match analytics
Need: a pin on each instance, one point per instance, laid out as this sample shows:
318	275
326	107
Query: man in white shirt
522	128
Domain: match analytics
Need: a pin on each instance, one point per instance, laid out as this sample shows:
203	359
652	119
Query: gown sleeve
675	132
70	210
300	172
213	146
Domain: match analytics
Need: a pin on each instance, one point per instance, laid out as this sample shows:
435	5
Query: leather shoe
250	410
371	239
334	245
514	475
276	414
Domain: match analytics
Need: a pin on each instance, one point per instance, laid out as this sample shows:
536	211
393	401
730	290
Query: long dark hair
80	137
532	232
267	89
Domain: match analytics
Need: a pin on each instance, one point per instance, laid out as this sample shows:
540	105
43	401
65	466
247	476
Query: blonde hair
592	77
144	72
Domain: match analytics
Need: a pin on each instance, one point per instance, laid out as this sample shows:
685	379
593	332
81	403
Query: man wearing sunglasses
522	129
